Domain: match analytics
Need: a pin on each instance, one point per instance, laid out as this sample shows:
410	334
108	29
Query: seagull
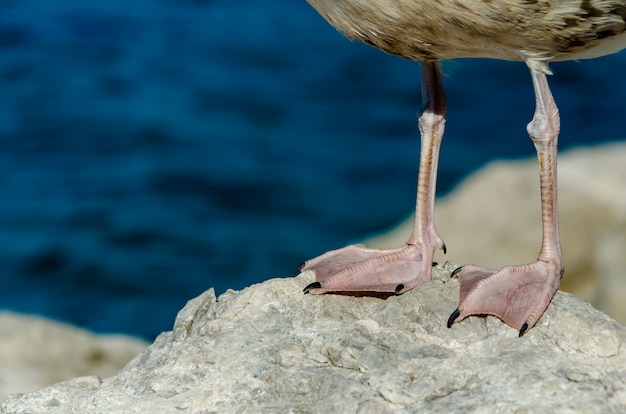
535	32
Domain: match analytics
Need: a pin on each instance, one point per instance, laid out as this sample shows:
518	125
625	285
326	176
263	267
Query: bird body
533	31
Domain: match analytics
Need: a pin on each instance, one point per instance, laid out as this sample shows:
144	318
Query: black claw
435	264
453	317
399	288
444	248
523	329
301	267
314	285
455	271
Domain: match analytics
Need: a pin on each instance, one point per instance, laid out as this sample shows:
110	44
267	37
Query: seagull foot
357	269
518	295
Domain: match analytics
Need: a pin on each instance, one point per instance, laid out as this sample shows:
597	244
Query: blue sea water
151	149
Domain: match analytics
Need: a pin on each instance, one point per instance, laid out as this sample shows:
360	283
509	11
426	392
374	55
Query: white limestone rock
270	348
35	352
493	219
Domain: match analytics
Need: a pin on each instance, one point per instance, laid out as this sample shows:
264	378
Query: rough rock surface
493	218
270	348
35	352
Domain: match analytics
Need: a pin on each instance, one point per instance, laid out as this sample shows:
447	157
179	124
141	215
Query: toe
453	317
314	285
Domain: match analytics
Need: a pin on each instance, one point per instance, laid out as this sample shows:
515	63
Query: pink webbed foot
358	269
518	295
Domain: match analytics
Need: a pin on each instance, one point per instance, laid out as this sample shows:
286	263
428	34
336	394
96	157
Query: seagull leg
358	269
519	295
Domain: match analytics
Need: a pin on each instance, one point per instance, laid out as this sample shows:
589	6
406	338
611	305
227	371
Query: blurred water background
151	149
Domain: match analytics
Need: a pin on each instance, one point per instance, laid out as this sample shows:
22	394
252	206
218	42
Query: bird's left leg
519	295
358	269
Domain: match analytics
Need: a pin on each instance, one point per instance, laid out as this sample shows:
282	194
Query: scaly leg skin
519	295
358	269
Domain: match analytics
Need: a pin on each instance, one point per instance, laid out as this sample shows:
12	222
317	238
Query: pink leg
359	269
519	295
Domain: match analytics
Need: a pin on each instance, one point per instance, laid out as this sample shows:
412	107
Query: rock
270	348
35	352
493	218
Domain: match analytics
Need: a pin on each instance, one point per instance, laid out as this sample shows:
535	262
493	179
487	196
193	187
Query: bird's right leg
519	295
358	269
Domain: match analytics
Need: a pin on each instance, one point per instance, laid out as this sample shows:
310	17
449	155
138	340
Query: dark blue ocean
152	149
